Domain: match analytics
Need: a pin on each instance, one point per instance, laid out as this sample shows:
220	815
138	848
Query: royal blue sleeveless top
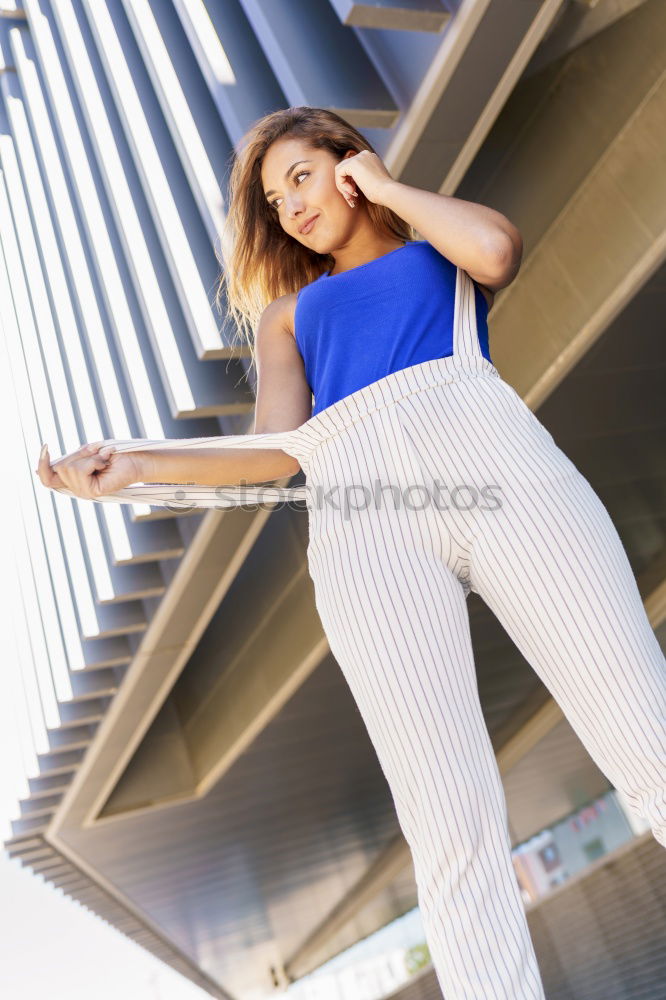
395	311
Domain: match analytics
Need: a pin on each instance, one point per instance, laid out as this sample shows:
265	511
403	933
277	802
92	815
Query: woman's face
308	190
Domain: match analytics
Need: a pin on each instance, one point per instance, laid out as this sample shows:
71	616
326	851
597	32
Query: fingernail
44	447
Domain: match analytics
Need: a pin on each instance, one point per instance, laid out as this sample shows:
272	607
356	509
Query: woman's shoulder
278	315
285	309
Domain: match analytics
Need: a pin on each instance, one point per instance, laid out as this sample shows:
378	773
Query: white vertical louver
80	380
178	116
27	290
179	251
175	374
95	227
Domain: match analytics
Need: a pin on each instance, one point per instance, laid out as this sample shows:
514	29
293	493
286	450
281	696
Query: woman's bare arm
283	403
284	399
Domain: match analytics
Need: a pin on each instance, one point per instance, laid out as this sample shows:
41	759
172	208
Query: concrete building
198	773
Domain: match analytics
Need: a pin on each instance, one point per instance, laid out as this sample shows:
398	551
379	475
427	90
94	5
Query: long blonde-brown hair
259	260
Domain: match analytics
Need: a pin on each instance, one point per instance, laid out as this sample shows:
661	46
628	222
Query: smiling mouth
306	229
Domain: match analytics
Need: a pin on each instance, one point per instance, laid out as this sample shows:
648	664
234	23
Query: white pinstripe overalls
476	496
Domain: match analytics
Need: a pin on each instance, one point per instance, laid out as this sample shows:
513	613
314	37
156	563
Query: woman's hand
92	471
368	172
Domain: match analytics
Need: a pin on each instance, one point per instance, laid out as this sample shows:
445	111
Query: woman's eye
301	173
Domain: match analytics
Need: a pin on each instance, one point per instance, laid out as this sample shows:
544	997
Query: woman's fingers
46	474
74	472
78	474
82	452
94	470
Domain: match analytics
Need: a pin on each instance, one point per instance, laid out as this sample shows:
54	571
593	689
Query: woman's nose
293	207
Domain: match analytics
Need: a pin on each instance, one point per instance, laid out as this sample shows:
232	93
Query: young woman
427	477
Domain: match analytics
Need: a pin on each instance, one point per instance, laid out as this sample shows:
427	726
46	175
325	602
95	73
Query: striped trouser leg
551	566
395	616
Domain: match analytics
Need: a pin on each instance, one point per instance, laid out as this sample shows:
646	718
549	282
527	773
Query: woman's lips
307	229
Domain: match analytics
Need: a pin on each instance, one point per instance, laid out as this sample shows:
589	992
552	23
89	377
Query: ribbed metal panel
61	873
603	937
600	937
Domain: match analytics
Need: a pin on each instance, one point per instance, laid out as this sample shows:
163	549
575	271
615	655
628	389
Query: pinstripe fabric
187	497
390	585
432	482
